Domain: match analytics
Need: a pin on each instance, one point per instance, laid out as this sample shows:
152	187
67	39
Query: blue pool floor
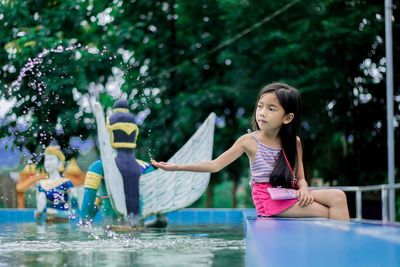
289	242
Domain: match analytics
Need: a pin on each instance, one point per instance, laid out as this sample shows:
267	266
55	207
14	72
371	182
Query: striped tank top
264	162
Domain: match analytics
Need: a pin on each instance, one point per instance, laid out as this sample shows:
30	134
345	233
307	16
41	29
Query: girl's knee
338	196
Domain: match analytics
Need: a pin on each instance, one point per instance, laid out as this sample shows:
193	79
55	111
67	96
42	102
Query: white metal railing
384	188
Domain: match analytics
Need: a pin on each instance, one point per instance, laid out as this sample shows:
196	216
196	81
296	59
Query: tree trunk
235	181
210	194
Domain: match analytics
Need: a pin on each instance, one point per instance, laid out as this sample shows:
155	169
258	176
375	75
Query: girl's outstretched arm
215	165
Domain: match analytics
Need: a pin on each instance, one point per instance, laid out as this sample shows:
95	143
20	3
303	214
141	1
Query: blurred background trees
177	61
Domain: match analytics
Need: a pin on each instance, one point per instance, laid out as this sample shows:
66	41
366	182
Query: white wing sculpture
162	191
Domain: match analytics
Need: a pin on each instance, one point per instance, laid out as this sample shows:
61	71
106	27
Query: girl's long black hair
289	98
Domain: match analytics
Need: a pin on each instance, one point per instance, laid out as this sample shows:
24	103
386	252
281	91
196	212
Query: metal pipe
389	105
359	204
359	189
362	188
384	199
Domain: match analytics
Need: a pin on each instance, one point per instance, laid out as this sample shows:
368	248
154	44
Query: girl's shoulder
248	139
248	143
255	135
246	136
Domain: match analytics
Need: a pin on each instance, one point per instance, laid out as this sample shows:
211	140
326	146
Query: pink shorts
265	206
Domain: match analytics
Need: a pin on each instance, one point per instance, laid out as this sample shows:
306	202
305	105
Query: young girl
274	150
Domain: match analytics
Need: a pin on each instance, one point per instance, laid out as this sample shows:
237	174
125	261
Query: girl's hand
304	197
164	166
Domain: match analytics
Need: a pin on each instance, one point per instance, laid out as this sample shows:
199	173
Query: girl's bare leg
328	203
335	200
313	210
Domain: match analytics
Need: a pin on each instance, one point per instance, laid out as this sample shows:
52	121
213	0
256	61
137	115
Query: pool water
30	244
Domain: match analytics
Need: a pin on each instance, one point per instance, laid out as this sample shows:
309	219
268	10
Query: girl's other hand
164	166
304	197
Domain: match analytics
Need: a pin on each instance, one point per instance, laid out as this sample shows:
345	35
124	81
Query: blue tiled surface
319	242
16	215
184	216
206	216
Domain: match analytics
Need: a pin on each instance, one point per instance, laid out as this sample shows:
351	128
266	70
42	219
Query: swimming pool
193	238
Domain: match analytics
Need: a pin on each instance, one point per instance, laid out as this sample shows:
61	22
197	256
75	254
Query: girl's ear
288	118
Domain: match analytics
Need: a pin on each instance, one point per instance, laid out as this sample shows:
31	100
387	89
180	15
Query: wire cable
224	43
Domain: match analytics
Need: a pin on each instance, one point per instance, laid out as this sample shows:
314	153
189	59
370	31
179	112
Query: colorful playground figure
96	197
53	194
123	137
127	198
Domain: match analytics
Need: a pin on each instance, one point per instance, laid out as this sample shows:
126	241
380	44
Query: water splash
34	69
30	66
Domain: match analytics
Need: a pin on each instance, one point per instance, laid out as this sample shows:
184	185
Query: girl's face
51	163
270	115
